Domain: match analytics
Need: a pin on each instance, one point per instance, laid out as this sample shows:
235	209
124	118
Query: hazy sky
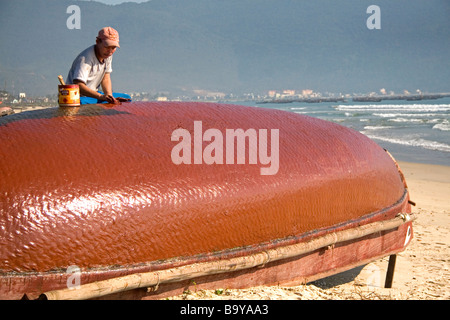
117	1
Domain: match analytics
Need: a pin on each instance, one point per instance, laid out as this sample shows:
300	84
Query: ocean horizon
412	131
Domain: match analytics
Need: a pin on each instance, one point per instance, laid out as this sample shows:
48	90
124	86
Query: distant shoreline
365	98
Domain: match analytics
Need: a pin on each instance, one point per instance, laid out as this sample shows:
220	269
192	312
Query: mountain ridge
233	46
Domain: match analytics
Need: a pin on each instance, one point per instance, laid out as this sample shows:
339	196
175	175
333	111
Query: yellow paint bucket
69	95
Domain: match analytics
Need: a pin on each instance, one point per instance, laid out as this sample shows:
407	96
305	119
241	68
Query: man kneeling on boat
92	68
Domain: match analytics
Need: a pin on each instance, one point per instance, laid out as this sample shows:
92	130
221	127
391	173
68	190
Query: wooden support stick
154	278
390	271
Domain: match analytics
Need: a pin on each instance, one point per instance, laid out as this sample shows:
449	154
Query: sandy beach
422	270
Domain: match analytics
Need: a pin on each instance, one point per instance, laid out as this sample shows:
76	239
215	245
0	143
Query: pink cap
109	36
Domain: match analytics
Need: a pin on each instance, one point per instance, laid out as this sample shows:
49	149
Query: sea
413	131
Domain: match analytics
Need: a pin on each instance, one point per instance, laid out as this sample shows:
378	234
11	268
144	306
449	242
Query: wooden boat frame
292	261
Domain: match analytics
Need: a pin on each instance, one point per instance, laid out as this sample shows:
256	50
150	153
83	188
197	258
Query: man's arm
106	84
107	89
88	92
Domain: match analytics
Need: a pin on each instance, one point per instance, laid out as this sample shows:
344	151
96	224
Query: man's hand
108	98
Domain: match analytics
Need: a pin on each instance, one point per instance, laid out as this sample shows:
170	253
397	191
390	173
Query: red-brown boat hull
96	187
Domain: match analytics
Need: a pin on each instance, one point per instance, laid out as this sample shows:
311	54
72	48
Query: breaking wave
414	142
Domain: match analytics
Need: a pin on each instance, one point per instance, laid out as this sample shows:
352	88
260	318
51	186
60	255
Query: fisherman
92	68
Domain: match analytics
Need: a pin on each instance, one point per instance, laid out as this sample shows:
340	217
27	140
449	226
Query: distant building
272	93
288	92
307	92
4	95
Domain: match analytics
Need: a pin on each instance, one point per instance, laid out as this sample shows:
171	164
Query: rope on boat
155	278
